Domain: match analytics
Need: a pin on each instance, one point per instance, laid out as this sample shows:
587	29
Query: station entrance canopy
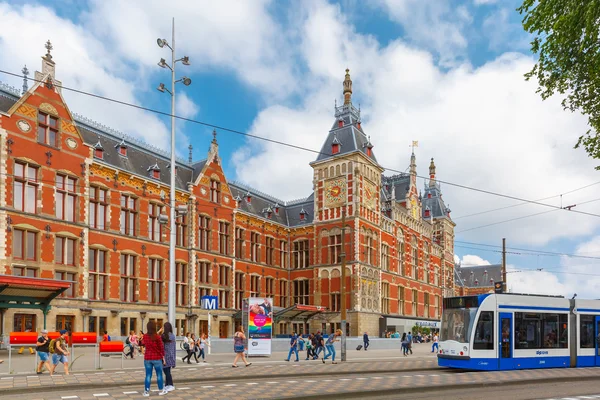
31	293
298	312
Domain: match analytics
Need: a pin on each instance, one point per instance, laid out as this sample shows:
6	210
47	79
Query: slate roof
477	276
351	137
435	203
261	203
6	101
396	184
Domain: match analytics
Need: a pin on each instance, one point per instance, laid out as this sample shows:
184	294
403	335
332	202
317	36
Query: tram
515	331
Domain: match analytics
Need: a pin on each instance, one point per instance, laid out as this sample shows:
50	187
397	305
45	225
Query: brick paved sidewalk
206	372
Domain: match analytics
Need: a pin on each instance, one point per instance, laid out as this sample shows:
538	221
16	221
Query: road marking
99	373
207	387
361	378
183	388
192	369
118	372
134	392
327	380
8	377
230	384
377	377
251	383
434	375
345	379
210	368
100	395
272	383
310	381
69	397
84	374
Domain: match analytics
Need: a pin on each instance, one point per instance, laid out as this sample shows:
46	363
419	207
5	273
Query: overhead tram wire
293	145
523	217
530	251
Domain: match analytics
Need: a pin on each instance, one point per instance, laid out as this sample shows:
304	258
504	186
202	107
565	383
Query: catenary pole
171	306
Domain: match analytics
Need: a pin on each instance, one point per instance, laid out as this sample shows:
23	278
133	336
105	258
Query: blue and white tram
512	331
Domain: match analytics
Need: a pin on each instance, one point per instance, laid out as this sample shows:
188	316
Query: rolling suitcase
359	347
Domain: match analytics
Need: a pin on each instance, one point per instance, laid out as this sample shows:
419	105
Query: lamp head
162	63
186	81
161	42
185	60
161	88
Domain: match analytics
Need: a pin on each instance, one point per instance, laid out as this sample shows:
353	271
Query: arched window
415	257
426	258
401	252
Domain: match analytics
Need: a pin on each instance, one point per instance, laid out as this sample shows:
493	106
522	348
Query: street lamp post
173	233
343	287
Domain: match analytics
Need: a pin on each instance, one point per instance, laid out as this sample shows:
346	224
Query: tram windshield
458	318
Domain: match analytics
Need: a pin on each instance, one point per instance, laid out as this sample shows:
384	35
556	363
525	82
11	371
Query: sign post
260	326
209	303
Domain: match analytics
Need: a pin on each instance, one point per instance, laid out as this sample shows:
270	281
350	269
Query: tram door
597	340
505	360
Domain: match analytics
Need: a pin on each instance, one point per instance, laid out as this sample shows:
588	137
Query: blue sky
446	73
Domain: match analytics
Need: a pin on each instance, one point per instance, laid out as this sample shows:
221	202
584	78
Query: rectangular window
25	271
254	247
484	331
181	230
283	254
67	277
155	281
204	272
301	254
203	291
254	286
24	323
24	245
215	191
415	258
64	250
25	187
401	300
301	292
270	251
128	286
385	298
66	322
426	305
97	324
540	331
586	331
47	132
239	242
98	206
415	302
224	271
128	214
224	238
66	197
269	287
369	251
239	289
283	294
181	284
335	249
224	298
98	280
385	257
335	302
401	270
203	232
154	225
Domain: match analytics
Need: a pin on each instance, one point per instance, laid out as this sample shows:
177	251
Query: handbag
238	348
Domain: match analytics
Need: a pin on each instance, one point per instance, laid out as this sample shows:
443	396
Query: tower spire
25	72
347	88
190	148
432	174
413	163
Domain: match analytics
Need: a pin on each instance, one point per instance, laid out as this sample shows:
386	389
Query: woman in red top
154	358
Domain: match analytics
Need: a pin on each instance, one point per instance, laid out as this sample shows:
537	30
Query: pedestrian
60	352
300	343
331	347
366	340
320	345
168	339
203	345
43	351
141	343
409	338
154	359
105	337
132	342
435	346
293	347
309	346
239	347
188	345
404	344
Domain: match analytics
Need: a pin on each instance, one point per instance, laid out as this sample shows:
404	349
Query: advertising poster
260	326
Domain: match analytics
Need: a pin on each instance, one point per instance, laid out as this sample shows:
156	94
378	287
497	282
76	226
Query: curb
85	386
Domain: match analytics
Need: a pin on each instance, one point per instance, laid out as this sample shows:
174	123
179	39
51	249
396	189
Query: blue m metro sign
210	302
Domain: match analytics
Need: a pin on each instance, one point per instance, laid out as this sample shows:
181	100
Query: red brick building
81	202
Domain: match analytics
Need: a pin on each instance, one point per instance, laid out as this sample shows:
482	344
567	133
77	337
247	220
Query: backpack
52	346
127	341
108	338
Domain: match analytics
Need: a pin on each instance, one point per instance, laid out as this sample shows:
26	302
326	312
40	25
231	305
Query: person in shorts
43	351
61	353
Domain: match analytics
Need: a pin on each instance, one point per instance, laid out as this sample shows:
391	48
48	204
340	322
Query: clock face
369	195
335	192
23	125
72	143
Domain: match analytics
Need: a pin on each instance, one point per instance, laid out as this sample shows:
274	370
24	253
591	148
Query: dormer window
248	197
99	150
122	148
340	123
302	215
335	145
154	171
427	212
276	208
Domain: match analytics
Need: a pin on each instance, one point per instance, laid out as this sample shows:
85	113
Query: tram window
586	331
484	331
541	331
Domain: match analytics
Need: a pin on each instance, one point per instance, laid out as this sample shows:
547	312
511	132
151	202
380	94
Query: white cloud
481	2
470	260
184	106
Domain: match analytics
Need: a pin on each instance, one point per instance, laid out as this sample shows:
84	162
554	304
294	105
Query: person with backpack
43	350
154	359
309	346
293	347
60	352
